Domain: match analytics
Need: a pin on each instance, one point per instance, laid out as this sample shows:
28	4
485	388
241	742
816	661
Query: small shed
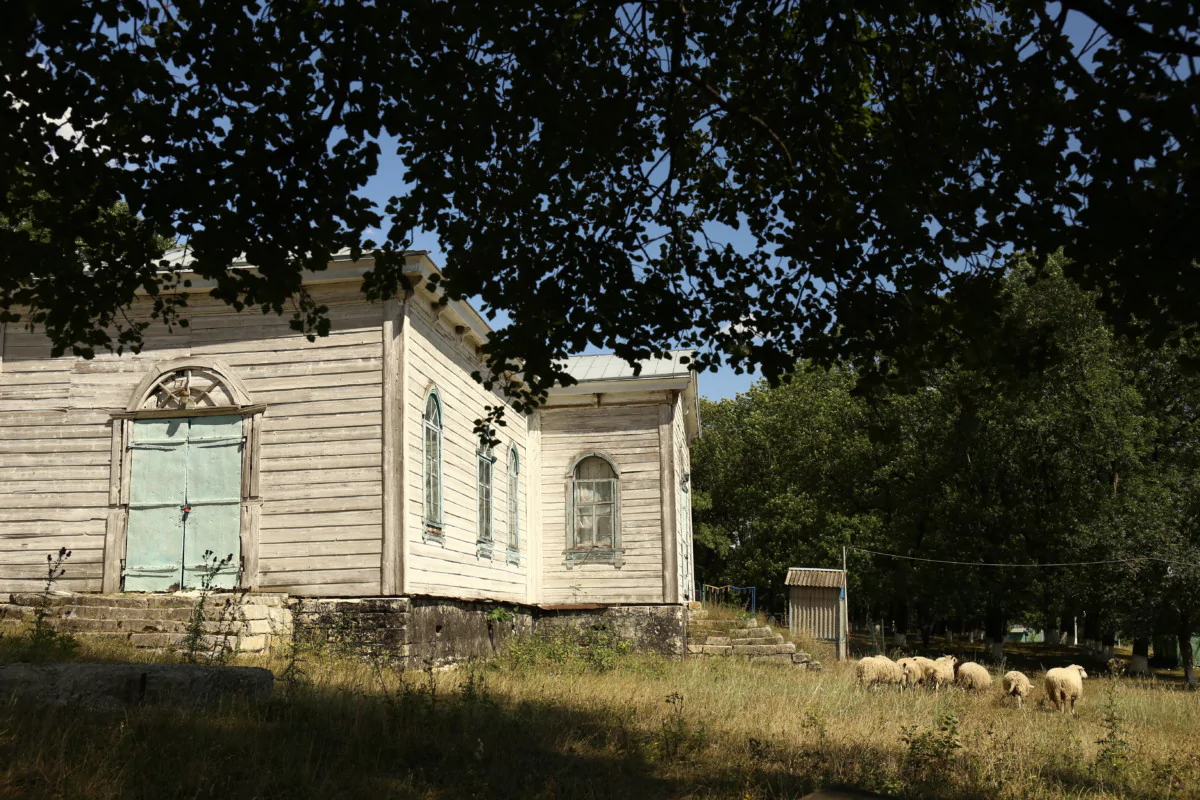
817	604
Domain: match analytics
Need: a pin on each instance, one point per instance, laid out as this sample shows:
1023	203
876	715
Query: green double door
185	496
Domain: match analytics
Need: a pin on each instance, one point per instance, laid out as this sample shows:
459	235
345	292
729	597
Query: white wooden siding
453	567
630	437
685	560
320	443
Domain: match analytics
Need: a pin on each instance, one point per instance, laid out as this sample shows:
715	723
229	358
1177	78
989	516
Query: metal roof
822	578
609	367
182	257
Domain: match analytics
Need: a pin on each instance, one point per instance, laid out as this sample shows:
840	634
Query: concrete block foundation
417	631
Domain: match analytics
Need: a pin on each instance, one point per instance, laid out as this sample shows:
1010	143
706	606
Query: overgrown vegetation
551	721
215	640
41	640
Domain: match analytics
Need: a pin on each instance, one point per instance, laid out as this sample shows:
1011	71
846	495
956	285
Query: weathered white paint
438	357
629	436
332	505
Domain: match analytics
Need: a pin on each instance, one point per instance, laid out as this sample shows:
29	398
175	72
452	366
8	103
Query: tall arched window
431	424
594	511
486	461
514	505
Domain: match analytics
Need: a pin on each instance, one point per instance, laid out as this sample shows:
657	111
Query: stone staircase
742	638
160	622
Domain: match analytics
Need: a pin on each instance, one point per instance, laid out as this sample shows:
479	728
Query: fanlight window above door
183	389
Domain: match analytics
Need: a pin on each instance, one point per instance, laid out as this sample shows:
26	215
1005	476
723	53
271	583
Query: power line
1029	565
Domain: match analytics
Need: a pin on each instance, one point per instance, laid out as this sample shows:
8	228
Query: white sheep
878	669
973	677
1015	684
940	671
914	672
1064	685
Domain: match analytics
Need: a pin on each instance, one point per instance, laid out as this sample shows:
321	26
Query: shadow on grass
429	738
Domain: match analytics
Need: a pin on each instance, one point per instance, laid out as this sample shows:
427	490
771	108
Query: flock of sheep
1063	685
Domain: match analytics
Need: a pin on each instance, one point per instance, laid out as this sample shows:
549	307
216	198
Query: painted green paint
184	500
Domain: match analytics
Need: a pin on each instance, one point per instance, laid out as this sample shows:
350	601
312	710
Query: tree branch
1128	28
728	108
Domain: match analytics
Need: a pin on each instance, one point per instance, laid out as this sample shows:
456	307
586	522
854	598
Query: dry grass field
554	720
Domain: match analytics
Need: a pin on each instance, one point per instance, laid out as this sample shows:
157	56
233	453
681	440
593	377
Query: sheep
926	666
914	672
940	671
973	677
1015	684
878	669
1064	685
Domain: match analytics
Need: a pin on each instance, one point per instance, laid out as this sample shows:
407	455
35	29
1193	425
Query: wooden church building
346	467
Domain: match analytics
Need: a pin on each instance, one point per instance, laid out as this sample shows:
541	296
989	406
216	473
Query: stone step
156	601
742	650
727	640
211	612
762	649
83	625
775	639
722	624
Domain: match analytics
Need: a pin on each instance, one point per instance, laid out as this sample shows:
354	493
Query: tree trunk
1108	643
1139	664
996	629
1092	633
1065	625
900	625
1185	648
926	634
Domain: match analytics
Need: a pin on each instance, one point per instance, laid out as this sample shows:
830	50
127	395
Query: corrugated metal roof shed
609	367
822	578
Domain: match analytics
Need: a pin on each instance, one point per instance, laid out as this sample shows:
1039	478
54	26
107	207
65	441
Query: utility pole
844	638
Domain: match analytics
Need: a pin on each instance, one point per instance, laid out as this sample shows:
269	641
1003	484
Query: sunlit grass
623	727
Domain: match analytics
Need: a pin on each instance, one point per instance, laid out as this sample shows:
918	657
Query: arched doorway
186	482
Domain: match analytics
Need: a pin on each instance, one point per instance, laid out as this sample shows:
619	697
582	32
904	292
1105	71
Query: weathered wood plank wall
436	357
630	436
320	530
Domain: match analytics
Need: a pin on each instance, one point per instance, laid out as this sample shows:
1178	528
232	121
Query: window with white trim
431	468
514	505
594	512
486	460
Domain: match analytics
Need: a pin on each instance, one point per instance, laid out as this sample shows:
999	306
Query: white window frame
485	463
514	506
433	517
574	552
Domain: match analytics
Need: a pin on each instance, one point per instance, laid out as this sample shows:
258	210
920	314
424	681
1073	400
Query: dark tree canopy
582	164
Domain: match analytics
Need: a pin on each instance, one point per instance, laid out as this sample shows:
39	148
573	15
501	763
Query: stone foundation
418	631
650	629
249	623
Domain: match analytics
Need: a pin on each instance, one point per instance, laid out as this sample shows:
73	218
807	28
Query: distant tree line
1052	439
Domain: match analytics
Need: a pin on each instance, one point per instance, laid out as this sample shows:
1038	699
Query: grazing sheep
1015	684
874	670
1064	685
941	672
973	677
914	672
